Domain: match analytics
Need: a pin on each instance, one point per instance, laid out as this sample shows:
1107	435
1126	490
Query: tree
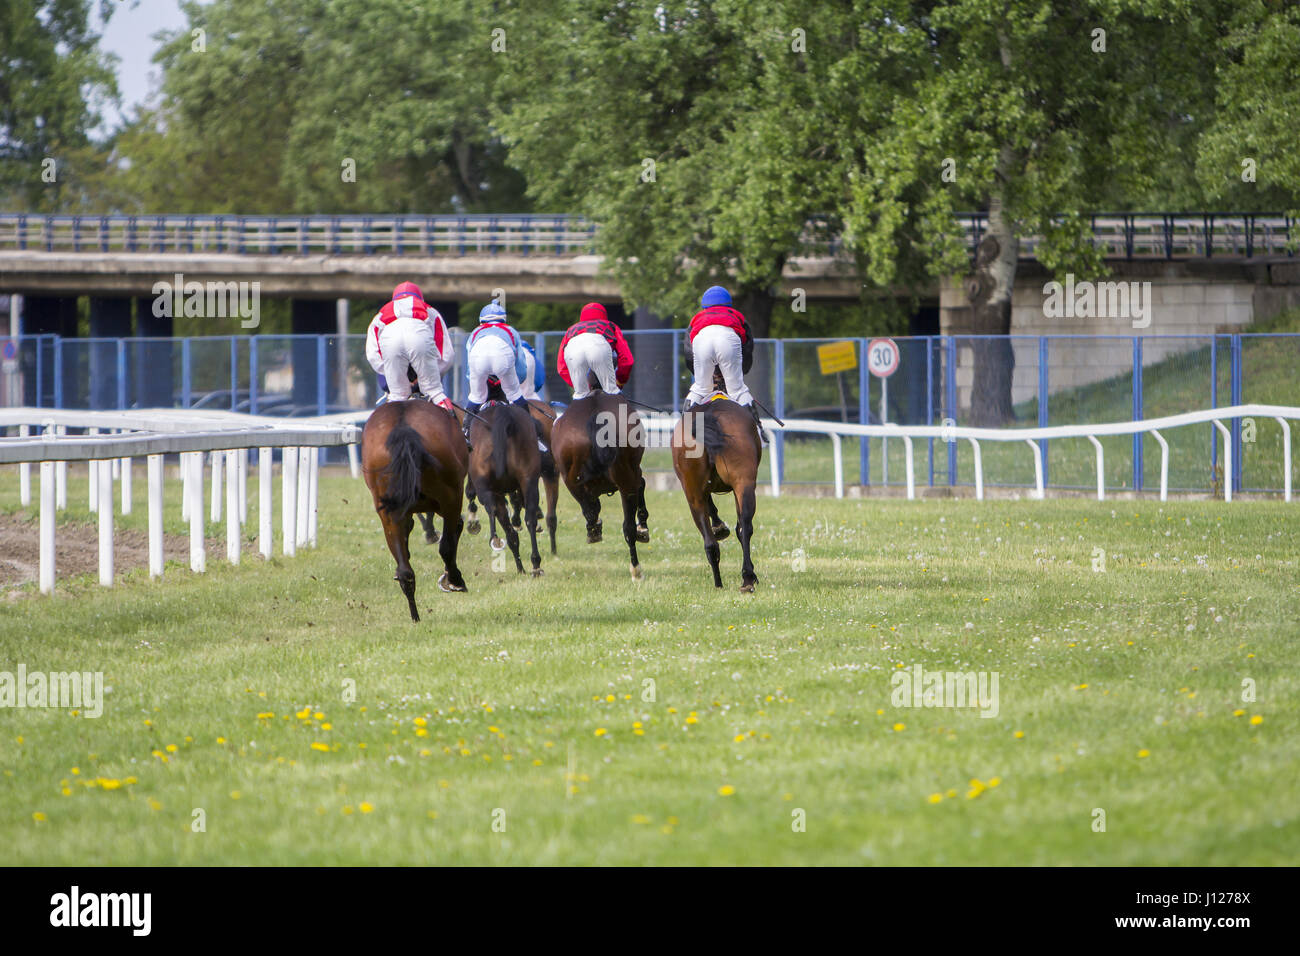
53	81
1037	114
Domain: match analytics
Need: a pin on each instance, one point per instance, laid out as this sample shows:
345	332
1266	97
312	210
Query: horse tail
407	459
503	427
712	435
601	455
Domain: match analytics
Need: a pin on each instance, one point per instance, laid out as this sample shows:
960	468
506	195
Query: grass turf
586	718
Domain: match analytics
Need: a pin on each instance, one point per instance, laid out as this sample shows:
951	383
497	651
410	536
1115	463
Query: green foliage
53	82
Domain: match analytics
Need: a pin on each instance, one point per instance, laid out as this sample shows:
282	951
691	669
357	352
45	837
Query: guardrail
1120	235
43	438
1030	436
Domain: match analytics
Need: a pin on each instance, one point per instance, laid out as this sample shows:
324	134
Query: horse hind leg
642	515
472	525
719	527
452	579
501	513
630	534
552	495
517	504
430	532
590	505
532	516
398	534
745	507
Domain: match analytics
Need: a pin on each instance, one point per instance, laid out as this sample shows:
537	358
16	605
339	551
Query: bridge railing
1119	235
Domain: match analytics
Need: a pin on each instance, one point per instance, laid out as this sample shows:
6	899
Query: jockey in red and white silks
408	331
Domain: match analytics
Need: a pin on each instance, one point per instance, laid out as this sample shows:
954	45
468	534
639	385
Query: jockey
492	350
532	374
409	332
720	338
594	344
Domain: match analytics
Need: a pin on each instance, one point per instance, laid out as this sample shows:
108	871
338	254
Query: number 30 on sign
882	357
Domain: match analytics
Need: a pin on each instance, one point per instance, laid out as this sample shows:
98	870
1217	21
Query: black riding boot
758	423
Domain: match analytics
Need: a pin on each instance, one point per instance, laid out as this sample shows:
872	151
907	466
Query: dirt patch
76	549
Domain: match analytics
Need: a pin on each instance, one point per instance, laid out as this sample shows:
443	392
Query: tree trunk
989	290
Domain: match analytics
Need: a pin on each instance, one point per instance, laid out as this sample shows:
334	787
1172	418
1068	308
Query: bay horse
717	449
598	444
506	461
414	460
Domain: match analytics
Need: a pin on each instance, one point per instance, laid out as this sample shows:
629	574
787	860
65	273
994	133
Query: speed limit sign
882	357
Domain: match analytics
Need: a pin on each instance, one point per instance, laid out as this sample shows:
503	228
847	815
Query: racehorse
506	460
716	449
598	443
414	459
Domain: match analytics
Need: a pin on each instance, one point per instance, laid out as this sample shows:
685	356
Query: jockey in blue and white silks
492	350
532	374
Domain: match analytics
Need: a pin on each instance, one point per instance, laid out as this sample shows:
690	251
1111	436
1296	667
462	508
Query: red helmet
407	288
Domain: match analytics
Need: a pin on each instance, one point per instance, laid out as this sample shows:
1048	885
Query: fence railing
111	441
1118	235
1051	381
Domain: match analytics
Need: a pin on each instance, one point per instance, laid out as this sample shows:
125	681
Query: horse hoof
473	526
721	532
748	587
595	537
537	572
445	584
642	533
431	538
517	522
636	572
496	544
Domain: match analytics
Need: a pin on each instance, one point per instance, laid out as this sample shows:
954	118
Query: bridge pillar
110	320
314	318
45	315
152	361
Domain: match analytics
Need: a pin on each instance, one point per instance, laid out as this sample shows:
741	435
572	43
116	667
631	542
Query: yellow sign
837	357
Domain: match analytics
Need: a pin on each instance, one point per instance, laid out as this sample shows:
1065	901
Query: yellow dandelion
317	745
640	819
600	731
235	794
39	817
1019	735
898	728
936	797
1256	720
1238	712
367	807
726	790
154	804
1143	753
171	748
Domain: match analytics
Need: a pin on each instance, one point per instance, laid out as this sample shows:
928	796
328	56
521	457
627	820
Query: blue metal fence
1054	380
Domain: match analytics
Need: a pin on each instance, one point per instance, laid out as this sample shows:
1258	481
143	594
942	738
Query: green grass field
585	718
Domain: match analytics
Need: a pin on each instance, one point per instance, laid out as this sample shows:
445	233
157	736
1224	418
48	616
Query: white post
242	461
25	473
154	466
313	497
198	559
353	463
774	463
1164	464
125	466
837	451
105	469
1101	468
61	475
183	468
911	468
216	486
93	474
49	472
1040	492
304	467
264	516
1227	459
289	499
232	507
979	469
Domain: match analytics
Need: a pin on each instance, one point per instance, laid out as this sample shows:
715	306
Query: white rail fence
1030	436
114	439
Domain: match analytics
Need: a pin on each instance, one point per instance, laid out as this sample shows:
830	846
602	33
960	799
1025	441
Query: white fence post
1164	464
49	479
302	497
127	490
1101	467
289	500
313	497
154	465
198	557
1286	457
105	488
232	507
92	473
1227	459
61	475
264	515
25	473
217	458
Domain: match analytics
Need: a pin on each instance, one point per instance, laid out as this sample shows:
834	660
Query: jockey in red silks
409	332
594	344
720	338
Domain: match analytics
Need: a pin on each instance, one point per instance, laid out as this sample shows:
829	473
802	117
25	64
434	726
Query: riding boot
471	409
758	423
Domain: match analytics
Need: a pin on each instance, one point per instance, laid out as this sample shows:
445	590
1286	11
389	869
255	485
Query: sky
130	35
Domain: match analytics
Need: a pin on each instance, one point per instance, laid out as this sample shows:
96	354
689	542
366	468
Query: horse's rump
407	459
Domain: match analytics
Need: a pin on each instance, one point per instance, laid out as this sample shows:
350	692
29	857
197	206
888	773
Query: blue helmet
492	312
715	295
